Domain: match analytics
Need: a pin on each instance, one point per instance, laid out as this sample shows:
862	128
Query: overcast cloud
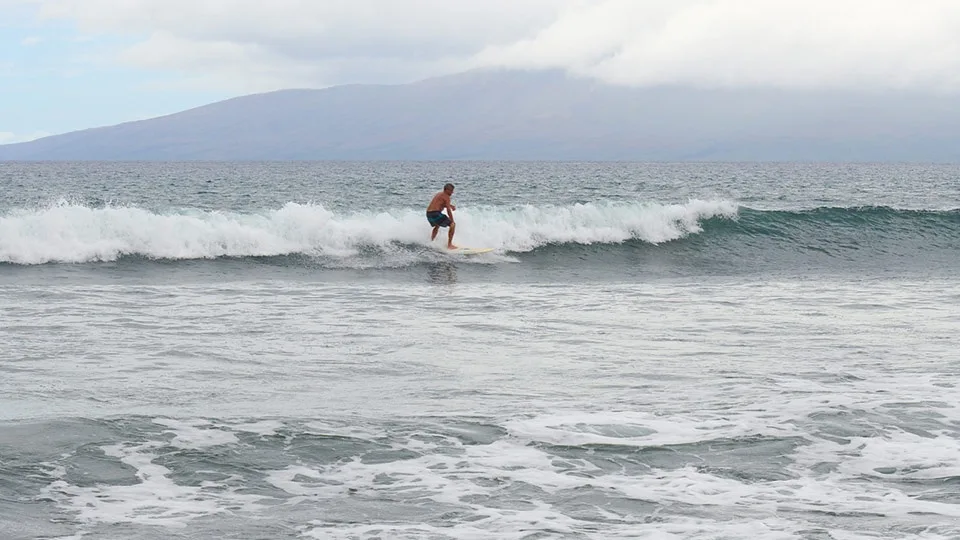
7	137
258	45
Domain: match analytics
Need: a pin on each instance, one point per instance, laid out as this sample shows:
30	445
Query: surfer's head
448	189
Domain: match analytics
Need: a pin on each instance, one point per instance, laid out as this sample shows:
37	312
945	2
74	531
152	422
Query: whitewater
71	232
664	351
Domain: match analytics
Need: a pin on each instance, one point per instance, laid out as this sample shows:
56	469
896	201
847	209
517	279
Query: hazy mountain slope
527	115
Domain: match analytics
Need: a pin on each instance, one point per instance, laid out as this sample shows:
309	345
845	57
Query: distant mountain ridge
526	115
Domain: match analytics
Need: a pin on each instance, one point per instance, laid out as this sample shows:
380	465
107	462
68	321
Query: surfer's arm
450	209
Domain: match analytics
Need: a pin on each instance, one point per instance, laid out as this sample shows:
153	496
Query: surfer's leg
453	227
433	236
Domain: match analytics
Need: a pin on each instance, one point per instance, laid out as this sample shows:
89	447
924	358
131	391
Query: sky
74	64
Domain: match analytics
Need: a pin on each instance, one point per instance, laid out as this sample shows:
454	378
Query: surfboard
469	250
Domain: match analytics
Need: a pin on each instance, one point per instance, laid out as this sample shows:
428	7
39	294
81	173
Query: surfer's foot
451	246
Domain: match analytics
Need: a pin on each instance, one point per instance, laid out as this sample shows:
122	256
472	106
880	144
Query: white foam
857	535
71	232
528	227
195	434
155	500
304	482
320	427
453	479
468	476
527	524
629	428
264	428
890	454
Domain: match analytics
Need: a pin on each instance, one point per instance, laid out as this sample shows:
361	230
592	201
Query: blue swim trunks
438	219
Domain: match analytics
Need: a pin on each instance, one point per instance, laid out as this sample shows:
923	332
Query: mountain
526	115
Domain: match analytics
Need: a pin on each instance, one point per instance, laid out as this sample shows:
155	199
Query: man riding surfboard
437	219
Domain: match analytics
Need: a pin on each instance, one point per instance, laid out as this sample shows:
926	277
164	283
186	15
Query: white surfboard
469	250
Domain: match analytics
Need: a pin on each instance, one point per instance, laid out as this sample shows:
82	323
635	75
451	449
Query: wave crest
69	232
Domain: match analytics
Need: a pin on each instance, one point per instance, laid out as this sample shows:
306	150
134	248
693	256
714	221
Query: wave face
838	230
699	231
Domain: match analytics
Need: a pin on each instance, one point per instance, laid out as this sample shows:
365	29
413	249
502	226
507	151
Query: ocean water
662	351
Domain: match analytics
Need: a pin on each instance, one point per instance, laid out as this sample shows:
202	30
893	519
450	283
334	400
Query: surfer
437	219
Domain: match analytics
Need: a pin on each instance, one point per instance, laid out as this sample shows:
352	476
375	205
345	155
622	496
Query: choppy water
704	351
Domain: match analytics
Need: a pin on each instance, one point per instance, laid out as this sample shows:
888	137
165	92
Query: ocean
652	350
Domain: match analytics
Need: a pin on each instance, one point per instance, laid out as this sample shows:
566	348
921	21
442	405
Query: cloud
8	137
729	43
302	42
31	41
257	45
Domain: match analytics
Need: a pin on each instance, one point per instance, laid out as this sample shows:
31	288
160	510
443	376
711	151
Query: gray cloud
256	45
729	43
8	137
